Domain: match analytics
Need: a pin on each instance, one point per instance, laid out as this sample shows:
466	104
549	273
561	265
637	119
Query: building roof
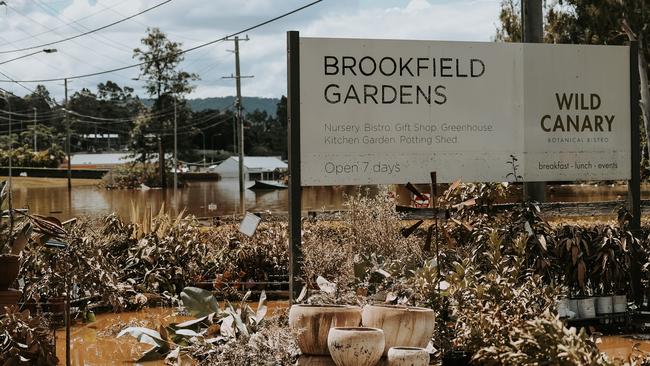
101	159
261	163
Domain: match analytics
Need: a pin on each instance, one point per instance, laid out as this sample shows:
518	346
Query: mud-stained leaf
303	294
582	269
261	308
199	302
144	335
542	241
574	254
325	286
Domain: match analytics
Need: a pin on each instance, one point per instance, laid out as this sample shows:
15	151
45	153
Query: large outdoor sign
388	111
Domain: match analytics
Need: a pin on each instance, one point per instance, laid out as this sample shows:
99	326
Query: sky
29	23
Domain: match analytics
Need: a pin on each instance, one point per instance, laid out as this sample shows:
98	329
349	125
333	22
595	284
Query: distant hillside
250	103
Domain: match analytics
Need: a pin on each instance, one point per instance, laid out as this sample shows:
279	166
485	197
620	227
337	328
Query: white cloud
192	22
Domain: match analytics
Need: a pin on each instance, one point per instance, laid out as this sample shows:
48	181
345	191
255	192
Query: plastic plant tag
249	224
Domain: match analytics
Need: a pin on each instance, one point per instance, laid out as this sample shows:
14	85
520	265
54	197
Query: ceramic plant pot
310	360
587	308
9	266
604	305
313	323
407	356
356	346
403	326
573	308
619	303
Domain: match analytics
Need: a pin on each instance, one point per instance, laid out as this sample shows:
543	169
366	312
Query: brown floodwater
95	344
621	346
207	199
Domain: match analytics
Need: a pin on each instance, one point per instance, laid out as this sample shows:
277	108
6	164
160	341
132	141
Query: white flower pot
407	356
562	307
620	303
604	305
403	326
587	308
356	346
573	308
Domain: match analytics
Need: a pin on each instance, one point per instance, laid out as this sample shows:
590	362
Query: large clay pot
310	360
403	326
408	356
9	266
313	323
356	346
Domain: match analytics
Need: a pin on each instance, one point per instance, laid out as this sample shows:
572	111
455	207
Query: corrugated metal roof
266	163
101	159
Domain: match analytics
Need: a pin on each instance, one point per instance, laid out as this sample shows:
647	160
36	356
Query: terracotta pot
407	356
309	360
8	298
313	323
403	326
9	266
357	346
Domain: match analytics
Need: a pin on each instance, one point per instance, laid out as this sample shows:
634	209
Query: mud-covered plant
543	341
488	302
25	340
610	262
201	336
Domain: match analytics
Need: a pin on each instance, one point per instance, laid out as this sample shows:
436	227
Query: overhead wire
258	25
76	25
88	32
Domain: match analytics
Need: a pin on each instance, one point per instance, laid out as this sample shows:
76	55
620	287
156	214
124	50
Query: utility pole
532	23
35	144
175	150
240	122
67	145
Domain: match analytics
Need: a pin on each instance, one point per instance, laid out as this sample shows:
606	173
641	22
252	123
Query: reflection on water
206	199
202	199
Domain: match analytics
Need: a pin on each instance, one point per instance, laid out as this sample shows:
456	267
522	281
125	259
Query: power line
88	32
179	53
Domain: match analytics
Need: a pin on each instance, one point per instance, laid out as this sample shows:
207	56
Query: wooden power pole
532	22
240	123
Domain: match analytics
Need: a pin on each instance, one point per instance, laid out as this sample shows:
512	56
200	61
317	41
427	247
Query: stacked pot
398	333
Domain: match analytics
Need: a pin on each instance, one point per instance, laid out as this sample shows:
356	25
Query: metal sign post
295	188
634	185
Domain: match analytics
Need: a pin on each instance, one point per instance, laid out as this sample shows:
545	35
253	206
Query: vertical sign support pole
295	188
532	21
634	185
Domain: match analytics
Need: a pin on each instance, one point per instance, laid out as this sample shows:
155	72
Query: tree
612	22
163	81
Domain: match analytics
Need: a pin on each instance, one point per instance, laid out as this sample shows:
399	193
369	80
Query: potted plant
609	268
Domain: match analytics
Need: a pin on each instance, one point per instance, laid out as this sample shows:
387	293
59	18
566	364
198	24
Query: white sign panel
388	111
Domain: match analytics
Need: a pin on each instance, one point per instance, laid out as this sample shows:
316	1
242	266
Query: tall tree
160	59
612	22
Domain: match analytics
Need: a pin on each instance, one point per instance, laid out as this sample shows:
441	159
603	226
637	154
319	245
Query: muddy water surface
95	344
215	198
621	346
